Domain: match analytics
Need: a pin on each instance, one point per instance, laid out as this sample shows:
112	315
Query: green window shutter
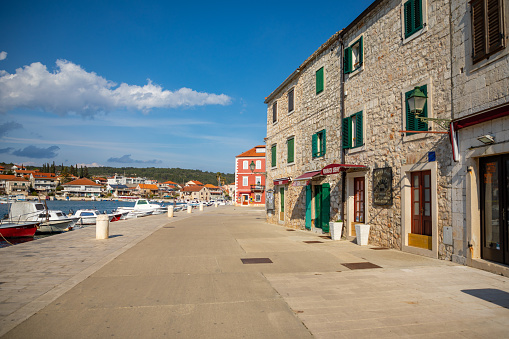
347	60
325	207
290	144
408	18
314	145
273	154
421	125
323	144
318	206
308	207
411	120
347	137
359	137
361	51
417	15
319	81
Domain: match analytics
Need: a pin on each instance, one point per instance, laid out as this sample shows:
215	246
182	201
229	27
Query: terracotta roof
211	186
82	182
148	187
44	175
170	183
196	182
11	178
252	152
193	188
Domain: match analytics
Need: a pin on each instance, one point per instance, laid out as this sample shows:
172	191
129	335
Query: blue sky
149	83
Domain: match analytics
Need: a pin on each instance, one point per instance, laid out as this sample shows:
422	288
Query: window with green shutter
354	55
412	10
353	131
273	155
319	81
291	150
412	122
319	144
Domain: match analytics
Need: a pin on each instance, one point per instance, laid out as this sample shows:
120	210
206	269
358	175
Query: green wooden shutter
411	123
347	127
359	137
290	143
308	207
323	144
282	198
314	145
325	207
408	18
319	81
417	15
361	52
347	60
318	206
273	154
421	125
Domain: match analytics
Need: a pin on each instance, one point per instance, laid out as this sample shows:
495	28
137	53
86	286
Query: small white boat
89	216
50	221
143	207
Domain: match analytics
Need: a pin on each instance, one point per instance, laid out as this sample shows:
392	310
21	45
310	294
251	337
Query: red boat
18	230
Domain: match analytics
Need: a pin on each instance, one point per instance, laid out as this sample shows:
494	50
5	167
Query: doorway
358	203
322	206
282	204
494	208
245	199
421	220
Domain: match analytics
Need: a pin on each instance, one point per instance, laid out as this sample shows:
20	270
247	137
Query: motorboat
89	216
143	207
11	229
50	221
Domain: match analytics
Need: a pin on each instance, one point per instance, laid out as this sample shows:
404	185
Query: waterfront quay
226	273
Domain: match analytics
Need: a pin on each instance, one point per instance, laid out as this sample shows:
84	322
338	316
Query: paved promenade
184	277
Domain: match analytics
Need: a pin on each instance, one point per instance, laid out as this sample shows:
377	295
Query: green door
325	207
282	200
318	206
308	207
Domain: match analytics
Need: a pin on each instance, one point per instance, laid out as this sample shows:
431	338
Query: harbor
225	273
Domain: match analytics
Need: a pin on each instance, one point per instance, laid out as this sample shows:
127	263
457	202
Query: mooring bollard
170	211
201	207
215	205
189	209
102	227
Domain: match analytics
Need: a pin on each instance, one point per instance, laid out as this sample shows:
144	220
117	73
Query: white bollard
215	205
102	227
170	211
189	209
201	207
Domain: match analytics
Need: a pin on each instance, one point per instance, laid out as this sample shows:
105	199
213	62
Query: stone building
345	108
480	107
303	136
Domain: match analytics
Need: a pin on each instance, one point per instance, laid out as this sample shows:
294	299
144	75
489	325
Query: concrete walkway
184	277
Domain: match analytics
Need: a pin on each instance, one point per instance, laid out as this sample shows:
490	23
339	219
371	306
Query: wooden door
359	200
421	203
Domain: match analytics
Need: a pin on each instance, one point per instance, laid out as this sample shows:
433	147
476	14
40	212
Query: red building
250	177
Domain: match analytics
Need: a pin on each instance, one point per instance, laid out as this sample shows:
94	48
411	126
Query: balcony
257	188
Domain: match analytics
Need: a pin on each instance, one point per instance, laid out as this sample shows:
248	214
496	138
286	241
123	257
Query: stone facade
480	89
312	113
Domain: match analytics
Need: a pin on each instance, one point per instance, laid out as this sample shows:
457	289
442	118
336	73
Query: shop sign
382	186
301	183
331	169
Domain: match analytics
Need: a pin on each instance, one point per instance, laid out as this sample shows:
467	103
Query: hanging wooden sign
382	186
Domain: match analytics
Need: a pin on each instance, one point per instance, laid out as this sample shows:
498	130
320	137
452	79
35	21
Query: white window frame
424	22
258	180
245	164
245	181
258	164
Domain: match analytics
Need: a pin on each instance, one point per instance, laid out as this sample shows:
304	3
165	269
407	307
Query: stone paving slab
35	273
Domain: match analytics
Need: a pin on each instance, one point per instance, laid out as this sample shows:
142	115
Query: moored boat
51	221
12	229
89	216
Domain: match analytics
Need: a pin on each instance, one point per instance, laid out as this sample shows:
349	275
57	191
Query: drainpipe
342	114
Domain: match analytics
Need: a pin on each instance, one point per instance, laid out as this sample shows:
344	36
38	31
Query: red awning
480	118
336	168
281	181
308	175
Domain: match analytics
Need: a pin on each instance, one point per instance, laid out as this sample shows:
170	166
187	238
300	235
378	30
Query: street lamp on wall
416	101
252	166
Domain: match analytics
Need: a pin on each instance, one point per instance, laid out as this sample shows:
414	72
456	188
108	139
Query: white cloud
94	164
71	89
3	55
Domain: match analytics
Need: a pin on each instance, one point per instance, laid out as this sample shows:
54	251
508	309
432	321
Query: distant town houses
82	187
399	121
13	185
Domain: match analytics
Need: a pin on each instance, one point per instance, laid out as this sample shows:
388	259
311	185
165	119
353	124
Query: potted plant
362	232
336	228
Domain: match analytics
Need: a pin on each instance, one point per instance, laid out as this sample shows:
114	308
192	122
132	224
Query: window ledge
290	164
291	112
417	136
356	71
415	35
356	149
488	61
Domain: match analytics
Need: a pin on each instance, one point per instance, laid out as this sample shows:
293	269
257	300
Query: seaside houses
250	177
146	190
346	138
82	187
216	193
195	192
11	184
44	182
